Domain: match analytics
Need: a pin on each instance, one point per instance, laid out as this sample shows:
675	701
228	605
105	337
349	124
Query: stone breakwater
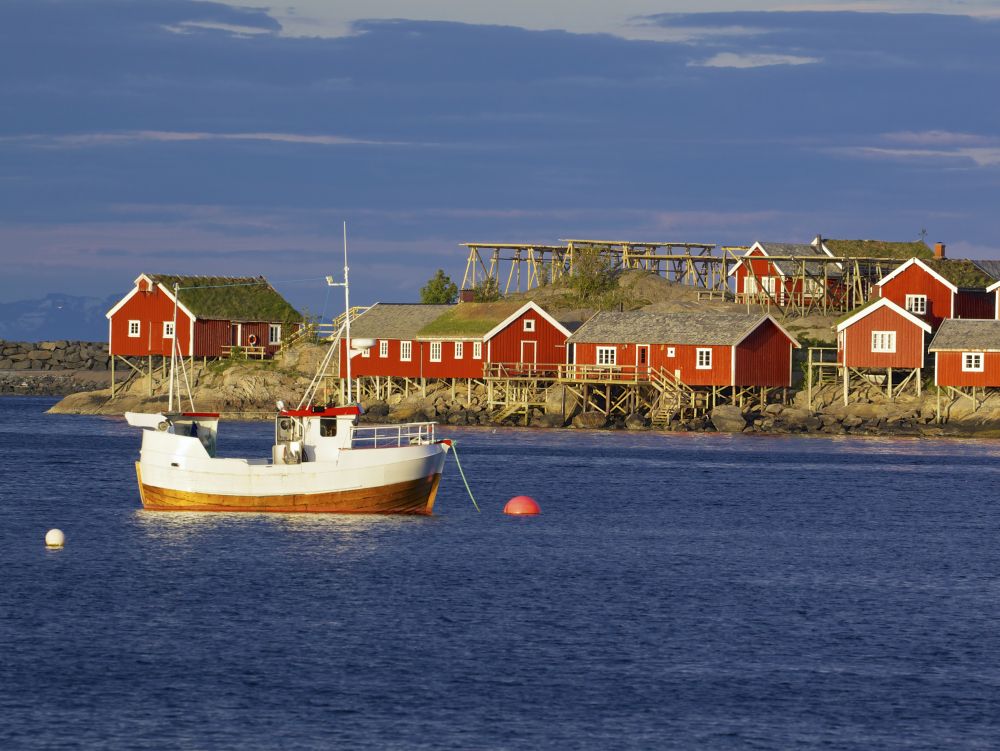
59	355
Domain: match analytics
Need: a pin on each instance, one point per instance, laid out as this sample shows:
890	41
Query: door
529	354
641	361
235	335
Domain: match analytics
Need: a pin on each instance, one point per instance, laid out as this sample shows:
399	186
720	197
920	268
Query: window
671	352
383	348
529	324
477	350
459	350
917	304
814	288
607	355
703	358
366	352
884	341
133	328
972	362
435	351
168	329
274	333
405	351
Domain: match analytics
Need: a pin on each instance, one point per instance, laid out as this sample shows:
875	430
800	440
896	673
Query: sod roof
470	319
960	272
878	249
230	298
395	321
965	335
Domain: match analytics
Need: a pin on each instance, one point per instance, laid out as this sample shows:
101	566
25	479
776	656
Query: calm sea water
679	591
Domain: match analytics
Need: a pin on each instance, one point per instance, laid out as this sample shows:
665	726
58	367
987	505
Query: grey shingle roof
395	321
640	327
989	266
966	335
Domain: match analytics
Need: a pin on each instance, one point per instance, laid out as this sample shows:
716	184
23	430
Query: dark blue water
678	592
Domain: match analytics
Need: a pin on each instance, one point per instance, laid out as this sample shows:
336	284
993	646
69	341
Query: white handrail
392	436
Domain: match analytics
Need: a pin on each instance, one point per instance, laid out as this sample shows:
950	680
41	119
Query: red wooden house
882	335
967	354
456	341
939	288
758	278
213	315
698	349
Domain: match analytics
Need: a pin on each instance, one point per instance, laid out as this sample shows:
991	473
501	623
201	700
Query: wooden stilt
846	386
113	385
149	371
888	383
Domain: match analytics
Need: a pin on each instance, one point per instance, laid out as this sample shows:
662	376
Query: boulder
728	419
39	354
590	420
636	421
559	400
800	419
852	421
548	421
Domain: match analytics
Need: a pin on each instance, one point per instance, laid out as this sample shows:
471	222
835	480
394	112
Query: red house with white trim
213	314
698	349
967	354
759	278
882	335
455	341
940	288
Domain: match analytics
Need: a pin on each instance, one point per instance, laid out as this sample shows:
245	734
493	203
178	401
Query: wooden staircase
674	398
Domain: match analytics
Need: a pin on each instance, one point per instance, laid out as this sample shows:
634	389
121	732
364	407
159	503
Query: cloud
936	138
83	140
980	157
752	60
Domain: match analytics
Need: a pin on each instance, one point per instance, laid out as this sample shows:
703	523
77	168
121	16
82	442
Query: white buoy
54	538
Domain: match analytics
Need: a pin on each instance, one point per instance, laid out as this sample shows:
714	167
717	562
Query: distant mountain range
55	317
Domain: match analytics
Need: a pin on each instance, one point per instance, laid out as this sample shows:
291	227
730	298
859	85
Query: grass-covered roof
470	319
230	297
960	272
878	249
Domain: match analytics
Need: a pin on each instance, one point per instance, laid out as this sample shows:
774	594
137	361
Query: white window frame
970	360
435	351
917	304
884	342
274	333
168	329
477	350
459	350
529	324
607	355
134	329
383	348
405	351
671	352
366	352
703	358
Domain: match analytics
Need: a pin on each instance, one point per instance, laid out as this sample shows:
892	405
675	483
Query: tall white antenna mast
347	316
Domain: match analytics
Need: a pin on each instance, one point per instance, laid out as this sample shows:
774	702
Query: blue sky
199	137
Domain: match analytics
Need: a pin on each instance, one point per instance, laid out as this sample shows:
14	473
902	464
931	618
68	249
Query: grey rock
728	419
590	420
636	421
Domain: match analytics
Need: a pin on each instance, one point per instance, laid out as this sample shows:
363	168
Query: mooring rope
454	452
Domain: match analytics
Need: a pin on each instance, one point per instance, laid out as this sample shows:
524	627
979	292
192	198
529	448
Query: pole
347	313
173	350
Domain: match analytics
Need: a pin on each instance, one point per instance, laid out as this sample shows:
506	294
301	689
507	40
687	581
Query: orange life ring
252	340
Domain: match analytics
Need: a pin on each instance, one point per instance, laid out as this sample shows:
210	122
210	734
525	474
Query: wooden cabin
214	314
940	288
697	349
457	341
967	354
882	335
759	278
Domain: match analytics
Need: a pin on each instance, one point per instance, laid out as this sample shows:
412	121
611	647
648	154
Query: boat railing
392	436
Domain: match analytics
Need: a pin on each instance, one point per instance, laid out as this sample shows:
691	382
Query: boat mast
347	315
173	350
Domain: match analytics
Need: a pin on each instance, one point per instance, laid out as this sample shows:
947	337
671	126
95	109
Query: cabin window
133	328
366	352
328	427
814	288
671	352
529	324
703	358
274	333
459	350
435	351
917	304
405	351
383	348
477	350
168	329
972	362
884	341
607	355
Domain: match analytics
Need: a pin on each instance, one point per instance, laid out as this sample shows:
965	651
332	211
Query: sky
181	136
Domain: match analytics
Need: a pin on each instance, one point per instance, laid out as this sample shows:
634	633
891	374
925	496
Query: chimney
467	295
818	242
939	250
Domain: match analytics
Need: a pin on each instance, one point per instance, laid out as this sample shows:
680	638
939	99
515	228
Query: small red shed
882	335
213	315
940	288
967	354
698	349
759	278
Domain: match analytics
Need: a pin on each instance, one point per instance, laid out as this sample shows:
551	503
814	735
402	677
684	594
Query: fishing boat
322	460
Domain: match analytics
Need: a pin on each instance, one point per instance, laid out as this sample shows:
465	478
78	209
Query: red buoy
522	505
